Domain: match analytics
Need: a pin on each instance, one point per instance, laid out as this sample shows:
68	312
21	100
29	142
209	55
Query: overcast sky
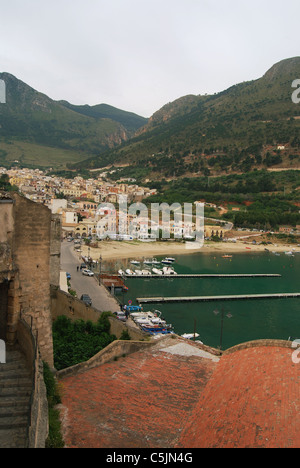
139	55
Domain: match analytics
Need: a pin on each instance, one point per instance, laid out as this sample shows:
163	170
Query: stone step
16	381
13	411
7	422
15	397
13	438
14	401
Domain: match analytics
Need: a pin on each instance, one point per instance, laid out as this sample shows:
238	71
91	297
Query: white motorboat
170	259
138	272
290	254
155	261
190	336
157	272
129	272
135	262
166	262
121	272
147	261
169	271
146	273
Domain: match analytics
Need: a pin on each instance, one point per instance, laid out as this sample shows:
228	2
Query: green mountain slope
235	130
132	122
30	122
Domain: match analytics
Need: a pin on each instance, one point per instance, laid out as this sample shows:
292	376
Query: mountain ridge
30	117
227	128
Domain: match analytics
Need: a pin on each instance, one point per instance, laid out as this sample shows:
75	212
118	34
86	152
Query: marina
192	275
161	300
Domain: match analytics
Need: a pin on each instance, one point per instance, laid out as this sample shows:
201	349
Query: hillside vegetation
236	130
32	124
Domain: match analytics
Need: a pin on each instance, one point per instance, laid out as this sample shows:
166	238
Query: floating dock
166	300
178	276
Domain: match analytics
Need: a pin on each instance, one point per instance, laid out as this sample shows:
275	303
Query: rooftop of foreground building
177	393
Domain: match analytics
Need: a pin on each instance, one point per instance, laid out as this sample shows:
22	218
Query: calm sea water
243	320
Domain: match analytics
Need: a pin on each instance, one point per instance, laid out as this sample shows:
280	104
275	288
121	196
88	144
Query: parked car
68	276
86	299
120	315
87	273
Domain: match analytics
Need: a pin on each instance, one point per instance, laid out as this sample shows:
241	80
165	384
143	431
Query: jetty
166	300
184	276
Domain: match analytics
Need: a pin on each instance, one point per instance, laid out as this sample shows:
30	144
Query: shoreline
114	250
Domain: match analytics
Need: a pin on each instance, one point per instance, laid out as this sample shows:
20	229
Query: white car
87	273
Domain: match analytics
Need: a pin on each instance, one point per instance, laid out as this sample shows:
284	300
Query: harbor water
228	323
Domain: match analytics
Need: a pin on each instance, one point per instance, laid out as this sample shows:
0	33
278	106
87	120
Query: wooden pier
179	276
166	300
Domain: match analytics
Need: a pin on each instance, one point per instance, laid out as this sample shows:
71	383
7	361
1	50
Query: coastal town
90	209
87	206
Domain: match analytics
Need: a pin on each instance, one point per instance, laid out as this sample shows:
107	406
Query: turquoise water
243	320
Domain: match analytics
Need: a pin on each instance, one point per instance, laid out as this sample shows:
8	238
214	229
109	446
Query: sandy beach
139	250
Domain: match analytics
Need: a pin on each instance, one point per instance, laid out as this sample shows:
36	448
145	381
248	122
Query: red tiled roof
252	400
139	401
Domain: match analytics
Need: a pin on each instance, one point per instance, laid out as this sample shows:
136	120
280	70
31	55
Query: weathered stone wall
55	247
6	237
31	250
113	351
65	304
29	238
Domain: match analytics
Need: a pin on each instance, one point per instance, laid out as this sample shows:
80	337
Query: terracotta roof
252	400
171	395
138	401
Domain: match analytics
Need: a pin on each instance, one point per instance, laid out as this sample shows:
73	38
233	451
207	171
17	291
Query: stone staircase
15	394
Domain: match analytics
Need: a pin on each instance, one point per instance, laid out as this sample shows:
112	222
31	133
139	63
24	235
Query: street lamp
100	265
216	312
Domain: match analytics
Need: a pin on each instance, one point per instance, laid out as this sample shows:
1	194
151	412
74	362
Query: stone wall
28	239
31	249
6	237
113	351
64	304
55	247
